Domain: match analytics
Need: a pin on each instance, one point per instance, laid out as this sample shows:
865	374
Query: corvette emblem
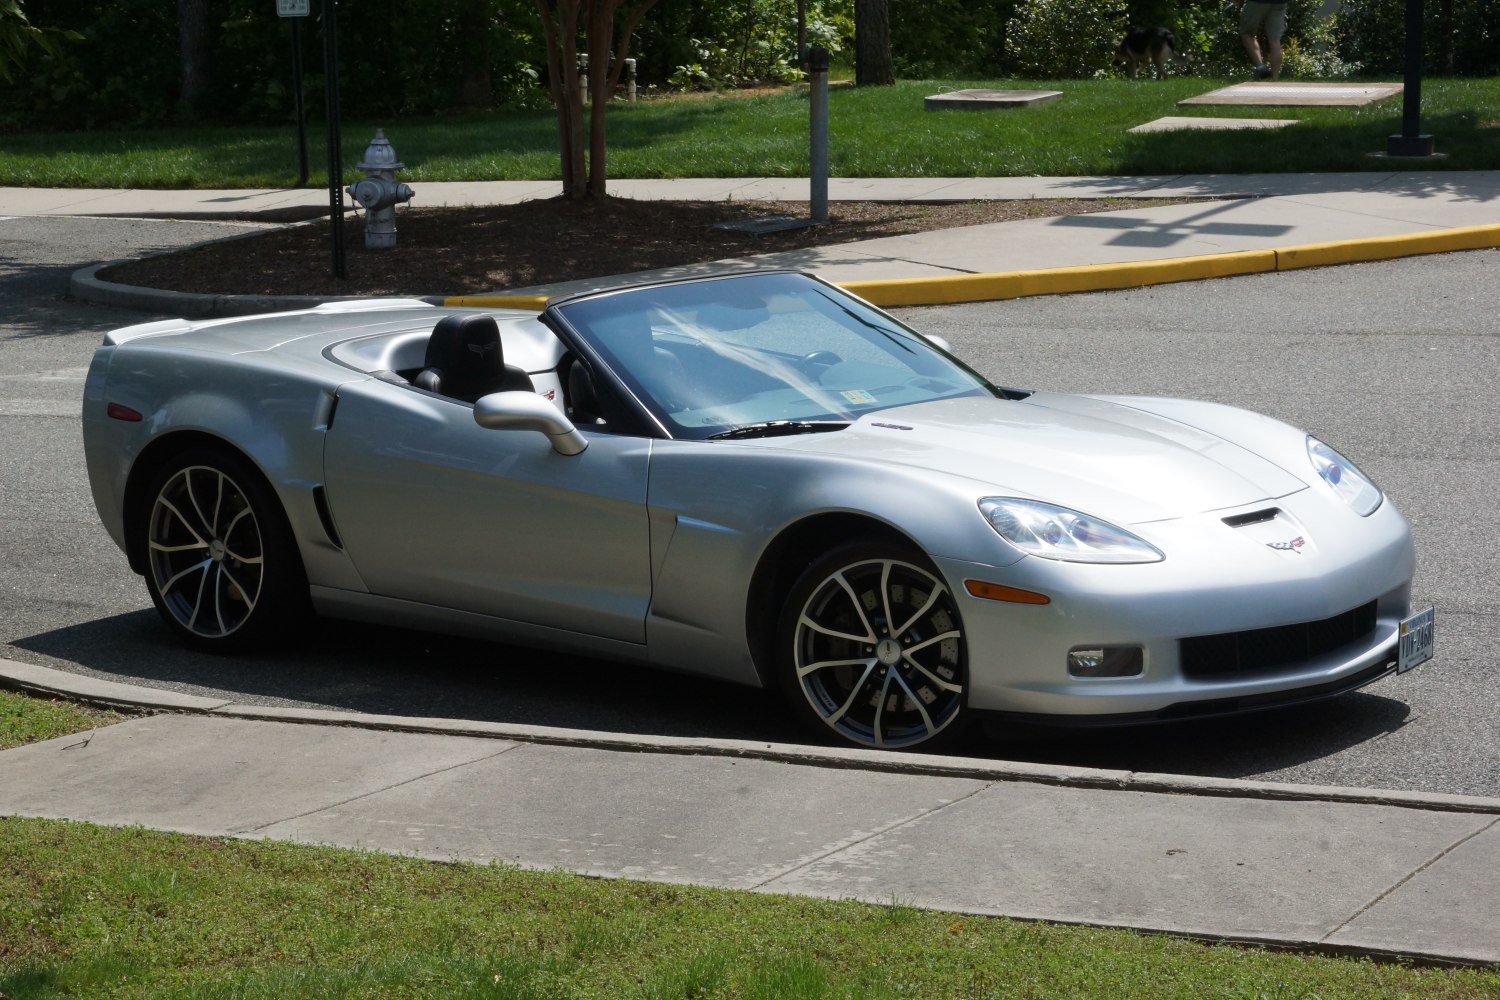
482	349
1294	545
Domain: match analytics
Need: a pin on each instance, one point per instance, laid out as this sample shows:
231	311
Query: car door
433	508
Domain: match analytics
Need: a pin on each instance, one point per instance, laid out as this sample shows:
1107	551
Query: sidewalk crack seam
387	788
928	263
1407	878
876	833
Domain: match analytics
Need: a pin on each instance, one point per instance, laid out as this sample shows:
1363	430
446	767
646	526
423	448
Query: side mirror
940	342
526	411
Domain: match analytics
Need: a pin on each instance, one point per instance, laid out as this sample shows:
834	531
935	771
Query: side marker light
118	412
1000	592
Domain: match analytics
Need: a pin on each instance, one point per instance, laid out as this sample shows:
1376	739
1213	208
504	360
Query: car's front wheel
872	649
222	567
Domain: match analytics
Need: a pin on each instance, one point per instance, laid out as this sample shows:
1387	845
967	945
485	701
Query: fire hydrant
379	193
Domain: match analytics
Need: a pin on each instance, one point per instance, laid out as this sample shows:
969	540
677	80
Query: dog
1157	46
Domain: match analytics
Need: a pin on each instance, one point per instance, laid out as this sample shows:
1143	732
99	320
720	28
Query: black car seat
465	360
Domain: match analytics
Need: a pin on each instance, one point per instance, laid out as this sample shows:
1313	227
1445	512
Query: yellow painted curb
1388	247
1059	280
530	303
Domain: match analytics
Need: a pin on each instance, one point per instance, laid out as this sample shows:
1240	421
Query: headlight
1353	487
1052	532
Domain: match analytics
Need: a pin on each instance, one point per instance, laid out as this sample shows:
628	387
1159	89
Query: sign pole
301	107
335	152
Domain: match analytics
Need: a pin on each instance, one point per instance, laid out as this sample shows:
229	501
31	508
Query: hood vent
1254	517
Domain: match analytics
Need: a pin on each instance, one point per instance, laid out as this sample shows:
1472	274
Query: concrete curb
46	680
86	286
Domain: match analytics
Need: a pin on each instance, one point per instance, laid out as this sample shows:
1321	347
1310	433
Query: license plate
1416	641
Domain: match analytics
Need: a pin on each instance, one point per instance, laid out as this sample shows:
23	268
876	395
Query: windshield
782	350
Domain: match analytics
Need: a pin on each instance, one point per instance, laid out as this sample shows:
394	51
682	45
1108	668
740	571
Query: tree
562	23
18	35
194	56
873	64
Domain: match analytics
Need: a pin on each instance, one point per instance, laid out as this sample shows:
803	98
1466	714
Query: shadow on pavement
387	671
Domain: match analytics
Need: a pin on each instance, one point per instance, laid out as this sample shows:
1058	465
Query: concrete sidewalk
1255	223
1335	870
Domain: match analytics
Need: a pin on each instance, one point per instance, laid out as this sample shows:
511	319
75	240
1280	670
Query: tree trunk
194	56
560	29
873	64
583	173
476	89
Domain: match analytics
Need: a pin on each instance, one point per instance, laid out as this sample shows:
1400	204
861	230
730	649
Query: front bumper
1212	581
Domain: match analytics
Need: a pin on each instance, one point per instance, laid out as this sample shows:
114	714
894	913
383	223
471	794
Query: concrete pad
1452	907
659	817
987	100
1173	124
1221	867
1297	95
217	776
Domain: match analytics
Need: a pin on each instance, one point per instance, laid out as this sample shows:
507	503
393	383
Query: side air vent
1254	517
320	501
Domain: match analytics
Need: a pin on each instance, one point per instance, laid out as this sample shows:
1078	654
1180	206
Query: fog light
1106	661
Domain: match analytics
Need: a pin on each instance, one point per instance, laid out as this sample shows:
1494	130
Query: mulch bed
449	251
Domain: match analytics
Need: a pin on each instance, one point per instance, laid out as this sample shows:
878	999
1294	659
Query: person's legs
1275	28
1252	17
1252	49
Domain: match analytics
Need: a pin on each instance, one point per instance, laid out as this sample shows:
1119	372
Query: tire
871	649
221	564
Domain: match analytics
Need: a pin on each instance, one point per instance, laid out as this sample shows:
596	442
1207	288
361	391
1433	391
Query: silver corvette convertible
757	478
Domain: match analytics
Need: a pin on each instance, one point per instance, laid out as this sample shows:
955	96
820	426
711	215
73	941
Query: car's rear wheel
222	567
872	650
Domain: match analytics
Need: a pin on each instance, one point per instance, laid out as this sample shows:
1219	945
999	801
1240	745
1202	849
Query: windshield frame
575	326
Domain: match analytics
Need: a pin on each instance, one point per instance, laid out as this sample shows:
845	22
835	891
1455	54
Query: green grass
93	912
875	132
26	719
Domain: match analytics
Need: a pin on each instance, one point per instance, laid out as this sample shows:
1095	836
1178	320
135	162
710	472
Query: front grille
1264	650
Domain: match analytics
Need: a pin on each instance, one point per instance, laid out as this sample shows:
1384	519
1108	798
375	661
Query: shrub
949	37
1064	39
737	43
1373	33
396	58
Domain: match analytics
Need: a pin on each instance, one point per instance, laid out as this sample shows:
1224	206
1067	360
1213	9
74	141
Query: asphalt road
1392	362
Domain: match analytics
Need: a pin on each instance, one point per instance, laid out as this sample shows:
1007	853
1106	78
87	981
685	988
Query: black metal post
1411	142
301	107
335	152
817	101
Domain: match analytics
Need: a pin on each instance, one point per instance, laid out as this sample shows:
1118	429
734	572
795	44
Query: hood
1089	454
